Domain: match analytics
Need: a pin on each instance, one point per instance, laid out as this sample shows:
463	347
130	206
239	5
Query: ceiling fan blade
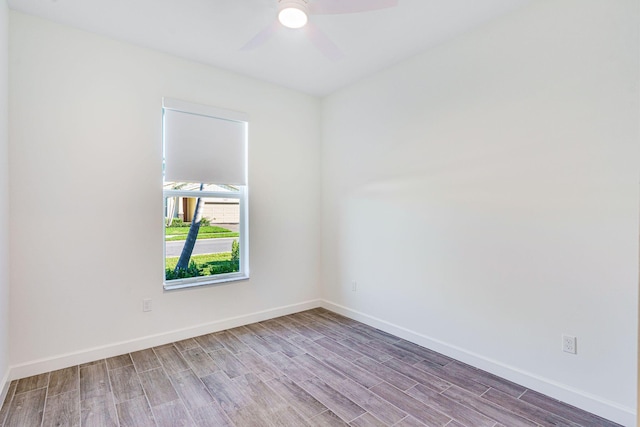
335	7
262	37
323	43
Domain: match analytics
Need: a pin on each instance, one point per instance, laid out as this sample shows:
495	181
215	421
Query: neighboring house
217	210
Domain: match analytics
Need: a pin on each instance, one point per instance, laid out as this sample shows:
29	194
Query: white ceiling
214	31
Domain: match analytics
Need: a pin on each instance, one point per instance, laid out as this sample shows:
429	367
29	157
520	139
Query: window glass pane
216	248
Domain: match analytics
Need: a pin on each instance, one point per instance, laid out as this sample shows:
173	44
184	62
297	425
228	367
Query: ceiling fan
294	14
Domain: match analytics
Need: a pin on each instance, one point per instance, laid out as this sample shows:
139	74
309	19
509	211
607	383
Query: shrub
235	251
182	273
177	222
221	267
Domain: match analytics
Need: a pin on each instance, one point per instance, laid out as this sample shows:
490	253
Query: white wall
4	200
484	196
86	212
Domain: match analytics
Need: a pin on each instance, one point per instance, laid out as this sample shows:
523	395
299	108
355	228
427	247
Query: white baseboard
5	388
589	402
40	366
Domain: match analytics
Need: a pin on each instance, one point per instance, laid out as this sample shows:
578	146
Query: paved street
203	246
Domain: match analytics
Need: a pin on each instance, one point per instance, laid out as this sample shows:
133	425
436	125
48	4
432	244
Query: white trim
214	279
243	274
581	399
6	382
244	231
40	366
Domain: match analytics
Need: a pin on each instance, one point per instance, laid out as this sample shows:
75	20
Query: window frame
243	198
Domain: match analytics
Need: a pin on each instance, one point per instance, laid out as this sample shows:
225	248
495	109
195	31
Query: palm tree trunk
187	249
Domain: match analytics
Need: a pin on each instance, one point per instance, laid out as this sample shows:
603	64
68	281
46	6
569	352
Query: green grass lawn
207	264
205	232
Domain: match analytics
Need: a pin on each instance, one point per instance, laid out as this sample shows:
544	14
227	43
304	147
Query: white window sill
204	281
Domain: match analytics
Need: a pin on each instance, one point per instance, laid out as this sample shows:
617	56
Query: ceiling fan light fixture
293	13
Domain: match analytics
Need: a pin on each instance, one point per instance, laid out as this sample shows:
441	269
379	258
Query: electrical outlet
569	344
354	286
146	304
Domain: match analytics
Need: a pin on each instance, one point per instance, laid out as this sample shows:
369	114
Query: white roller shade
204	144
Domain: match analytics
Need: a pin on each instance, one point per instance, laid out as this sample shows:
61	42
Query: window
205	195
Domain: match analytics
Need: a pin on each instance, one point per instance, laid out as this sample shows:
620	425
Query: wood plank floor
314	368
